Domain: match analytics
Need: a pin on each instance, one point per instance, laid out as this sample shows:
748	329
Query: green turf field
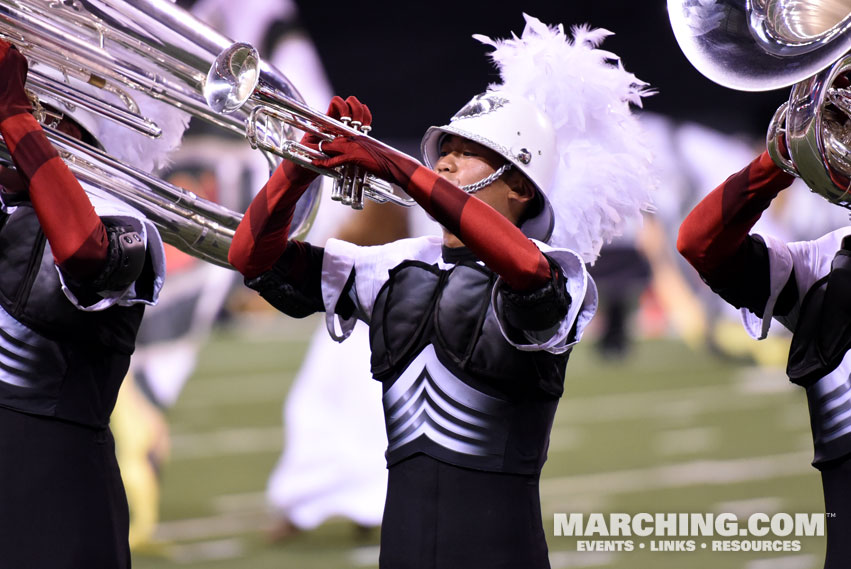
668	430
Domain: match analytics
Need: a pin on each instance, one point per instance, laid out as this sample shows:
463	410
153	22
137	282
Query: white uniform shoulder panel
810	261
372	267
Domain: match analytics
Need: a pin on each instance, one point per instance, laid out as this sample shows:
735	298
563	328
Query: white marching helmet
518	131
510	126
562	117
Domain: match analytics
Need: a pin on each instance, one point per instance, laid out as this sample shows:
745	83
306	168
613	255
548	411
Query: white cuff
337	265
583	304
129	295
780	268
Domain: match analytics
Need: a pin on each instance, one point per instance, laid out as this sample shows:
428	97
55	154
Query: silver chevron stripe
428	401
832	396
27	359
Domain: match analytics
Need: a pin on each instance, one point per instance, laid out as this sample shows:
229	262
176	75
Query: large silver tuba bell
759	45
127	47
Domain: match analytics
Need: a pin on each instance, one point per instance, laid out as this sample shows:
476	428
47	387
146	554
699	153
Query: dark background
415	62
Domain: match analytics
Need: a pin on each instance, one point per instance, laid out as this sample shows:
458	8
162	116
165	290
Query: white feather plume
604	178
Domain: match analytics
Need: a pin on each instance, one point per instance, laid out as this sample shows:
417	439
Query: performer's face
465	162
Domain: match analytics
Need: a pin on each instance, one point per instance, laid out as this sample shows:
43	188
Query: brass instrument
759	45
238	81
125	47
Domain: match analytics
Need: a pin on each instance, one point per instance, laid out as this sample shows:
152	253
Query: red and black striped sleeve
493	238
713	236
76	234
261	237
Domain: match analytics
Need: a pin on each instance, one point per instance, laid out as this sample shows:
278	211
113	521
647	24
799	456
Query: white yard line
790	562
235	390
703	472
207	551
565	559
226	442
368	557
210	527
696	473
761	380
236	503
745	508
565	436
696	440
364	556
664	403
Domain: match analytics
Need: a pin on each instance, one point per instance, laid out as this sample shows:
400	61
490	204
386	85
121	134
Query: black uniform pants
439	516
62	502
836	480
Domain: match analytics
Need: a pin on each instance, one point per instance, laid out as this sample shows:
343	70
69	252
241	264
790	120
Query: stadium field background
667	429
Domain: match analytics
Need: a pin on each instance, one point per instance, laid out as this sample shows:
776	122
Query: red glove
493	238
261	237
13	76
351	108
337	109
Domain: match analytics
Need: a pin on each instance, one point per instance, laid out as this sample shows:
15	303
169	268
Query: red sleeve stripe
261	237
67	217
507	251
733	207
76	234
258	215
17	127
452	204
272	210
717	226
30	153
424	178
88	260
495	240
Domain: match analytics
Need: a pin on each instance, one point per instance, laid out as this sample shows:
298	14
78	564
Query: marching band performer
470	333
804	286
78	268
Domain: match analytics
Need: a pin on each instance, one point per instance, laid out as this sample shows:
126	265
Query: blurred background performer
77	271
170	339
456	322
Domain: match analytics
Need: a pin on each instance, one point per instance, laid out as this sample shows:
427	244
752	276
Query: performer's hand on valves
349	110
364	152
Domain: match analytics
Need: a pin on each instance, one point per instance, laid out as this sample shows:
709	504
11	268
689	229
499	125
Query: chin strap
484	182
